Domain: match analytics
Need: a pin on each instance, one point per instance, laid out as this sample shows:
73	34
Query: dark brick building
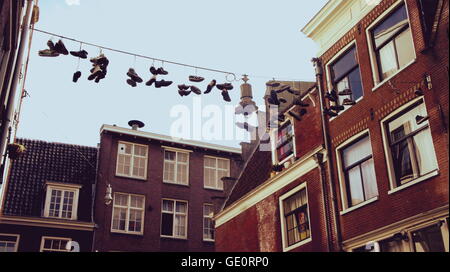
48	199
389	134
163	191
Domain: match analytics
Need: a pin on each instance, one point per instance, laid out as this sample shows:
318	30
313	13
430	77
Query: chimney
135	124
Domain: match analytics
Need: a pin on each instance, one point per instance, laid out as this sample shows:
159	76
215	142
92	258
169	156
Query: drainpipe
6	118
319	160
319	73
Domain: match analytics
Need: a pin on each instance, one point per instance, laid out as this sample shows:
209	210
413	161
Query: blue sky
259	38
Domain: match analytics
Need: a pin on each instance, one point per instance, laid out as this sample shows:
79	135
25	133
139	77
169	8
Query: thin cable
134	54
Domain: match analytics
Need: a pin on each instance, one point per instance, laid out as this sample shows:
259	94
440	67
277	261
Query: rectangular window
61	202
176	167
54	244
410	144
429	239
345	74
214	170
284	142
132	160
359	172
392	43
128	213
174	218
208	223
9	242
296	219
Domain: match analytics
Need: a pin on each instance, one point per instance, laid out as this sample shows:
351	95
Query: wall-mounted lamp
108	195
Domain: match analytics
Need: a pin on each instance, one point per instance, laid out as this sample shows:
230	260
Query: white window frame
210	218
177	151
341	174
216	169
53	238
286	247
173	218
373	58
328	73
274	137
63	187
132	161
388	155
16	243
127	221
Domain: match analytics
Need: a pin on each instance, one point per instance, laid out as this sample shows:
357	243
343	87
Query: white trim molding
269	187
47	223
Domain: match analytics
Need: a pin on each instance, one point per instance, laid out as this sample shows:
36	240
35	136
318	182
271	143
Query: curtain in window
388	60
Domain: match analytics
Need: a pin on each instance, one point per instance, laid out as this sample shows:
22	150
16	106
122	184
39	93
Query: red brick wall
153	189
426	195
259	229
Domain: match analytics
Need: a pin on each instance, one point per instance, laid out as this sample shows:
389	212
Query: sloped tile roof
54	162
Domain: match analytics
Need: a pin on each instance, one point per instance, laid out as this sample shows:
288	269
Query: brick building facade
163	191
393	129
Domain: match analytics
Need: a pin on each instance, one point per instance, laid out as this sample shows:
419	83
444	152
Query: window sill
360	205
213	189
379	84
174	238
130	177
208	241
304	242
287	158
346	108
173	183
414	182
127	233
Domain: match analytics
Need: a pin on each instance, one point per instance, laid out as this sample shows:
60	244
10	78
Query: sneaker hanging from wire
151	81
226	96
81	54
61	48
76	76
134	76
196	90
162	83
210	86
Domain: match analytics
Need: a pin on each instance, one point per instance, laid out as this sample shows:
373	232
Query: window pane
181	207
167	224
426	158
388	60
355	186
357	151
169	171
167	205
210	162
405	48
401	155
390	25
169	155
182	173
180	225
355	84
429	239
342	85
182	157
344	64
391	245
369	179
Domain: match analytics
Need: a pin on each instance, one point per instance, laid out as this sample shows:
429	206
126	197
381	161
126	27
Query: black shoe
95	72
134	76
151	81
162	83
81	54
421	119
337	108
61	48
330	113
154	71
283	89
196	90
211	85
183	87
48	53
225	87
273	99
196	78
100	60
76	76
295	115
348	102
345	92
50	45
131	82
161	71
184	92
226	96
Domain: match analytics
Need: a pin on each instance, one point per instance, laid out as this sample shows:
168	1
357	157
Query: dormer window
283	143
61	201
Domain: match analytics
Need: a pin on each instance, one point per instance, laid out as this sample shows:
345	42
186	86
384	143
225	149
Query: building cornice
46	223
169	139
274	184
